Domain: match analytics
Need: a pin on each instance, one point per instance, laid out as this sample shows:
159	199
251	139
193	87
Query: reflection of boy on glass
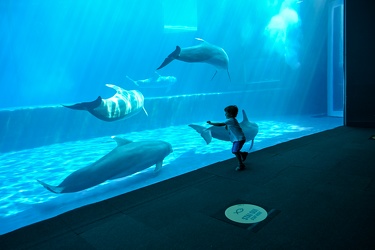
236	134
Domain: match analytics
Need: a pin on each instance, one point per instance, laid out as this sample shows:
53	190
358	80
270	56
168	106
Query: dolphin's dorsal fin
117	88
121	141
245	119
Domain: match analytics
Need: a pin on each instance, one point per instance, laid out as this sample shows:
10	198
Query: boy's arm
220	124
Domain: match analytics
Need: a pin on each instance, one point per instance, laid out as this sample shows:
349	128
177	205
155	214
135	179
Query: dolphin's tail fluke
53	189
175	54
205	133
207	136
135	82
86	105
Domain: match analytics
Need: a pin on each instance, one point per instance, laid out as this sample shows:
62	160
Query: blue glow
25	201
283	29
65	52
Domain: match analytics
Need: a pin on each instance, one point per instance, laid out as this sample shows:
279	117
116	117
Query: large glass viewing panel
150	73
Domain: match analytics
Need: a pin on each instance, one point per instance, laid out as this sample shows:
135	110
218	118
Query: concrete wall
34	127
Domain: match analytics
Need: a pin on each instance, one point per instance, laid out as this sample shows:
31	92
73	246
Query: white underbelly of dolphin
124	104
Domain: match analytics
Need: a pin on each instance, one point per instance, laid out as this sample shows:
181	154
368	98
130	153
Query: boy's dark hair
232	110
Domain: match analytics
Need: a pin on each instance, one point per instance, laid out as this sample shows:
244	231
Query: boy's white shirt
234	129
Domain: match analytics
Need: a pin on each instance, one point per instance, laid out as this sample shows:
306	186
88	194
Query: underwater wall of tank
64	52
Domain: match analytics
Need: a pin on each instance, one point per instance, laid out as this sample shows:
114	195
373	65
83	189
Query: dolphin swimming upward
123	104
204	53
249	128
126	159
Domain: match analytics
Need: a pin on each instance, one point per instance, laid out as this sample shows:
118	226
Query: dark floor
319	192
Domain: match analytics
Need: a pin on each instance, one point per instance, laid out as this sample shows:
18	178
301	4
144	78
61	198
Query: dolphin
124	104
249	128
124	160
204	53
155	82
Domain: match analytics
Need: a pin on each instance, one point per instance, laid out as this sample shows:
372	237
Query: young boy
236	135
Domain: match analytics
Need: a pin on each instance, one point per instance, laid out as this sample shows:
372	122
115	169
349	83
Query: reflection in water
25	201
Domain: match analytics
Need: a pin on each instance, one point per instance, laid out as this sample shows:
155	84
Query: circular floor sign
245	213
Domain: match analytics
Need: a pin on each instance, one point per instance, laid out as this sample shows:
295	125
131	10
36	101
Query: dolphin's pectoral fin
158	166
53	189
132	80
86	105
229	76
252	143
145	110
121	141
214	75
175	54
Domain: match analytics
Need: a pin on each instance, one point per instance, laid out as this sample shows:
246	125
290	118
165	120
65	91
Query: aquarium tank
99	98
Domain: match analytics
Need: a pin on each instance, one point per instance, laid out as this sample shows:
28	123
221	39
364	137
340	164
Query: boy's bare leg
239	158
244	155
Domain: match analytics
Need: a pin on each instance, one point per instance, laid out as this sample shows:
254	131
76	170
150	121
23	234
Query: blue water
55	52
24	201
65	51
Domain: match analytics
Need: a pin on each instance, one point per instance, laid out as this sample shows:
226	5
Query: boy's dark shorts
237	145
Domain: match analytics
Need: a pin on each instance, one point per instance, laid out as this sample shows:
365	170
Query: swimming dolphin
249	128
155	82
124	104
126	159
204	53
